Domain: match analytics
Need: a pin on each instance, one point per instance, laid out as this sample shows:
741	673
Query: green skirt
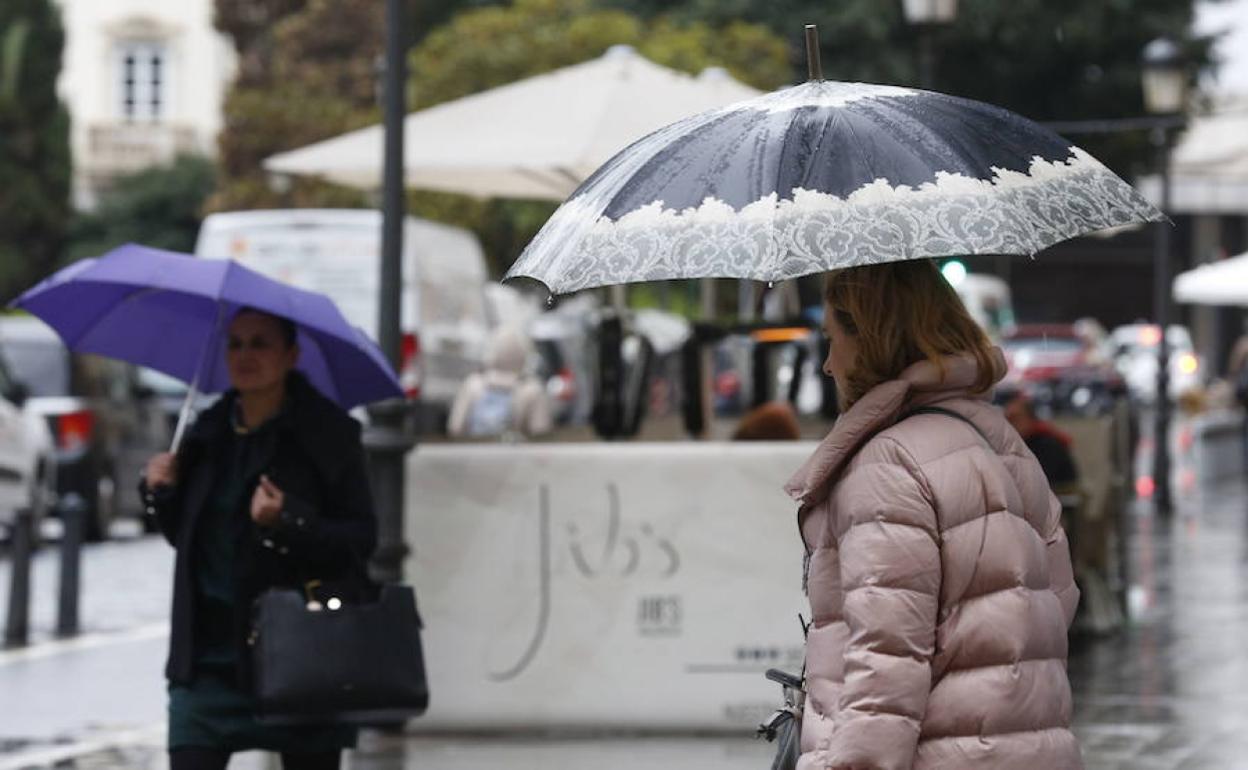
213	713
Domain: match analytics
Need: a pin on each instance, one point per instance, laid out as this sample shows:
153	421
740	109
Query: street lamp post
388	439
926	15
1165	93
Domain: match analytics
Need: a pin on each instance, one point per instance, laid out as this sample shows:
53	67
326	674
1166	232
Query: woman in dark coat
268	489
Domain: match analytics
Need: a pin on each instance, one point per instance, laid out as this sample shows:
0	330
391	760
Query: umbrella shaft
184	414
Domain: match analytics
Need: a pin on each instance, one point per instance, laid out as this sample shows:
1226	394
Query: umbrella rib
854	145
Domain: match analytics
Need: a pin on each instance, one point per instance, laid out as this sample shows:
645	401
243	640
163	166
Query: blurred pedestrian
938	574
772	421
504	401
1237	375
1050	445
268	489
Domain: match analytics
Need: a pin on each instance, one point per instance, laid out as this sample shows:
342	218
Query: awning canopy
1224	282
536	138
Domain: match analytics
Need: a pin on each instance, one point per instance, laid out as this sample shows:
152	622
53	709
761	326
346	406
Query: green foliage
1046	59
160	206
12	51
492	46
34	144
308	69
250	24
308	74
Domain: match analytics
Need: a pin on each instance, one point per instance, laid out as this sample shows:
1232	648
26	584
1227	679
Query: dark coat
327	528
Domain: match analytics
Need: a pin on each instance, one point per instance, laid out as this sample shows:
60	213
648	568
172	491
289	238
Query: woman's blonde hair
900	313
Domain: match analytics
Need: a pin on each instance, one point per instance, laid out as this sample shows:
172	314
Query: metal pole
387	439
17	622
814	66
388	330
927	58
73	513
1162	500
708	300
745	300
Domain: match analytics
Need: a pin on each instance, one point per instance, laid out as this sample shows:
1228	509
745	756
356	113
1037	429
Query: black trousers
196	758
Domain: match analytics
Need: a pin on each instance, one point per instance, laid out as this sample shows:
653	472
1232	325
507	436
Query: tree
308	73
1046	59
492	46
250	24
160	206
34	144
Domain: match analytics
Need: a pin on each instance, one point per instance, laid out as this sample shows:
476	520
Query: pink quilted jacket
940	586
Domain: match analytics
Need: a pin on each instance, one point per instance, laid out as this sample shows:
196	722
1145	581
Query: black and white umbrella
826	175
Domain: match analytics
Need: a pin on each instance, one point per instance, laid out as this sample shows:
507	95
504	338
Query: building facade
143	82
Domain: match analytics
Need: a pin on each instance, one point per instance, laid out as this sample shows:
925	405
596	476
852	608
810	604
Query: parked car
27	464
1135	356
1060	367
337	252
104	424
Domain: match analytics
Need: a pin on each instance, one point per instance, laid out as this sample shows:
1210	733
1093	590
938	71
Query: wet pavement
1170	691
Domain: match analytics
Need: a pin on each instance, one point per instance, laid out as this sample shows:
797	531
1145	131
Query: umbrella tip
814	65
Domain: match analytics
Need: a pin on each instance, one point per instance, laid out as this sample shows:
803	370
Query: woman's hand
161	470
266	503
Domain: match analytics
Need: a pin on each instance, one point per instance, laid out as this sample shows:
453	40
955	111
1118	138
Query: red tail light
567	385
73	430
409	365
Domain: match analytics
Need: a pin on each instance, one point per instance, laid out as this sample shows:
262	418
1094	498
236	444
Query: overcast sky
1232	50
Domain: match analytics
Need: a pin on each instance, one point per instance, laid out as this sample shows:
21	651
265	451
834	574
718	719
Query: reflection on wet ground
1171	691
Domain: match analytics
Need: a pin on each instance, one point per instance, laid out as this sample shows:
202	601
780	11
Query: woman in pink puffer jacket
938	573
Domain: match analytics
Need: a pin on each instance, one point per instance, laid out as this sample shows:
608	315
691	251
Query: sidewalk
126	583
1167	693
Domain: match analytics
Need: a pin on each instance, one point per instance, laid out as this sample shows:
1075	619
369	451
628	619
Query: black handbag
325	658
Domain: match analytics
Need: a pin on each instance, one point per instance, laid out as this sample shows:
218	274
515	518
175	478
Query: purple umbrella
168	311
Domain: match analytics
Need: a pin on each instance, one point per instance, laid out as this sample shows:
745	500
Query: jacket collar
919	385
314	423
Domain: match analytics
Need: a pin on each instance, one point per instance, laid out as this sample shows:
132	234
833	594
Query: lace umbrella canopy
826	175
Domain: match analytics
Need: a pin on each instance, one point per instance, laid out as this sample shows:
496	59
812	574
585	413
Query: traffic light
954	272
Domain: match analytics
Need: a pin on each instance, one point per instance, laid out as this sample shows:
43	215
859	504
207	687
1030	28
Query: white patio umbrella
536	138
1224	282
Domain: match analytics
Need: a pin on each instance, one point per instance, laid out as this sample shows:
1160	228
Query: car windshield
43	367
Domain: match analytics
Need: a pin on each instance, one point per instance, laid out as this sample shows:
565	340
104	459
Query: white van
337	252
